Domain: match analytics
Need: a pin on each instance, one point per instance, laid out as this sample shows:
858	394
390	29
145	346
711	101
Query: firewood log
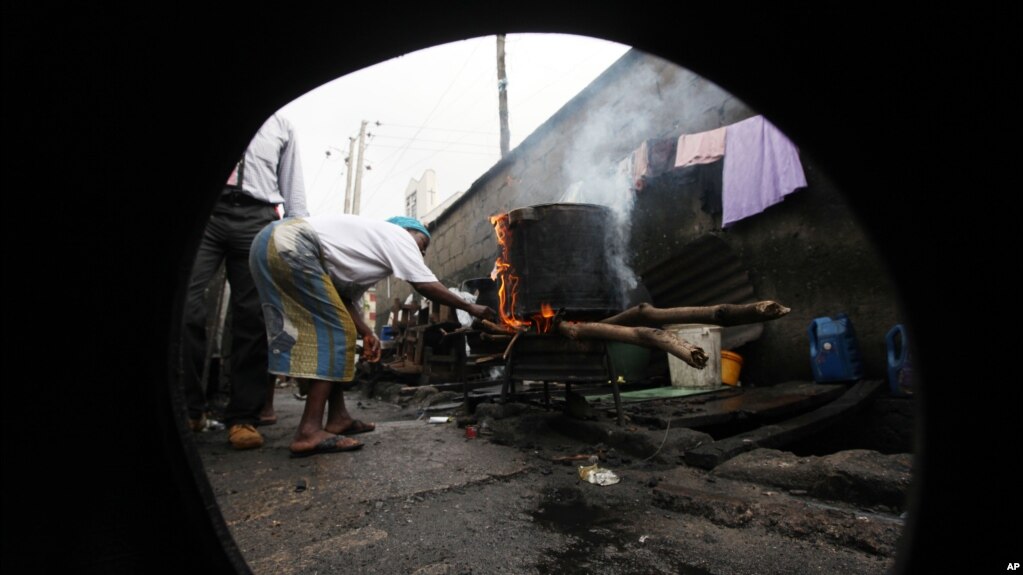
498	327
645	336
645	314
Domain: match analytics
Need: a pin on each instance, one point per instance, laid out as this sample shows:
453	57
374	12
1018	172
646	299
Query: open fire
551	285
508	285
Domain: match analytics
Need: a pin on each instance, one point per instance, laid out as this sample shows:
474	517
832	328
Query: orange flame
544	319
508	283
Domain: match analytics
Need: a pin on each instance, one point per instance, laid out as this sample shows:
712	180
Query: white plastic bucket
706	337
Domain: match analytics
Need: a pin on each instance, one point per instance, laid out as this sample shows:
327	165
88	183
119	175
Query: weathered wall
807	252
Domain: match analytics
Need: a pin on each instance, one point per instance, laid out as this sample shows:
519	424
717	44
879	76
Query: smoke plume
597	162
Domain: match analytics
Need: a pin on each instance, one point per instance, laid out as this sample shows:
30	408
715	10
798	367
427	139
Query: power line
326	198
413	149
433	141
482	132
318	170
428	116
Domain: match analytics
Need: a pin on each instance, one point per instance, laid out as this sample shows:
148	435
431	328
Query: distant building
439	209
421	195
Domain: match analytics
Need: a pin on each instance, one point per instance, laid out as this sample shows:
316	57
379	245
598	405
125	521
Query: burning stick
645	336
723	314
511	344
502	329
498	327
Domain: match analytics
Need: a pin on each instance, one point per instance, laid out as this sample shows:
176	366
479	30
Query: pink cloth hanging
640	165
700	148
651	159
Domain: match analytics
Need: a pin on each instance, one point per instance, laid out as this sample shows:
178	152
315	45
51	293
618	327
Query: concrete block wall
807	252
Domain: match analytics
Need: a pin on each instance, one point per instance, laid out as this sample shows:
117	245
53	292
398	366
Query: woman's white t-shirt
360	252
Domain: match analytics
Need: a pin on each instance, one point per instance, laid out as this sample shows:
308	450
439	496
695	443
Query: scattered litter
585	471
594	474
643	538
439	419
603	477
300	486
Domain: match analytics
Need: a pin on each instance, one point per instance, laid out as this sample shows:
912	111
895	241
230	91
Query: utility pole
502	94
358	169
350	161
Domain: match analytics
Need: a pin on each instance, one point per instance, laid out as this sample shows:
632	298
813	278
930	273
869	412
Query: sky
435	109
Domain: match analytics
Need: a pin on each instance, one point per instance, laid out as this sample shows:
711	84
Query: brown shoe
244	436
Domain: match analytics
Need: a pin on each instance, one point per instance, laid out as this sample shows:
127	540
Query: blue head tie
409	224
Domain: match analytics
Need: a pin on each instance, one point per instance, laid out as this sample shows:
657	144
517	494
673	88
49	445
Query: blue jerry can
834	351
900	372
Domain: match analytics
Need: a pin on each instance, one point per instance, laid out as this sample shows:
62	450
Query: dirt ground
421	498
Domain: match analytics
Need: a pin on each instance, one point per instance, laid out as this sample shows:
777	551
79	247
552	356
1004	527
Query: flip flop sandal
334	444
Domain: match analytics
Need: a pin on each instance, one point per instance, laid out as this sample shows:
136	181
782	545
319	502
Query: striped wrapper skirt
309	330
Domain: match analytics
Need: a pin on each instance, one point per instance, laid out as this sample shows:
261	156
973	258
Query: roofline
570	107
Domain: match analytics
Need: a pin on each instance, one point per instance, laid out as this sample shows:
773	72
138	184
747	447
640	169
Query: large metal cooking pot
559	252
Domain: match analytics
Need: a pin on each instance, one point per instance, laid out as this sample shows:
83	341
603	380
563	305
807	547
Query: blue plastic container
900	372
834	351
387	333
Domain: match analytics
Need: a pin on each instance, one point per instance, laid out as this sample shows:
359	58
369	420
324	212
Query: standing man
265	186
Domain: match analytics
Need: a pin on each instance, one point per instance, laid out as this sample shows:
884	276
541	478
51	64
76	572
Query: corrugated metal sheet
705	272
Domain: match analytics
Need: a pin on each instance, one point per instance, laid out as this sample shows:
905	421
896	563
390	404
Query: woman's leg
311	433
338	419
